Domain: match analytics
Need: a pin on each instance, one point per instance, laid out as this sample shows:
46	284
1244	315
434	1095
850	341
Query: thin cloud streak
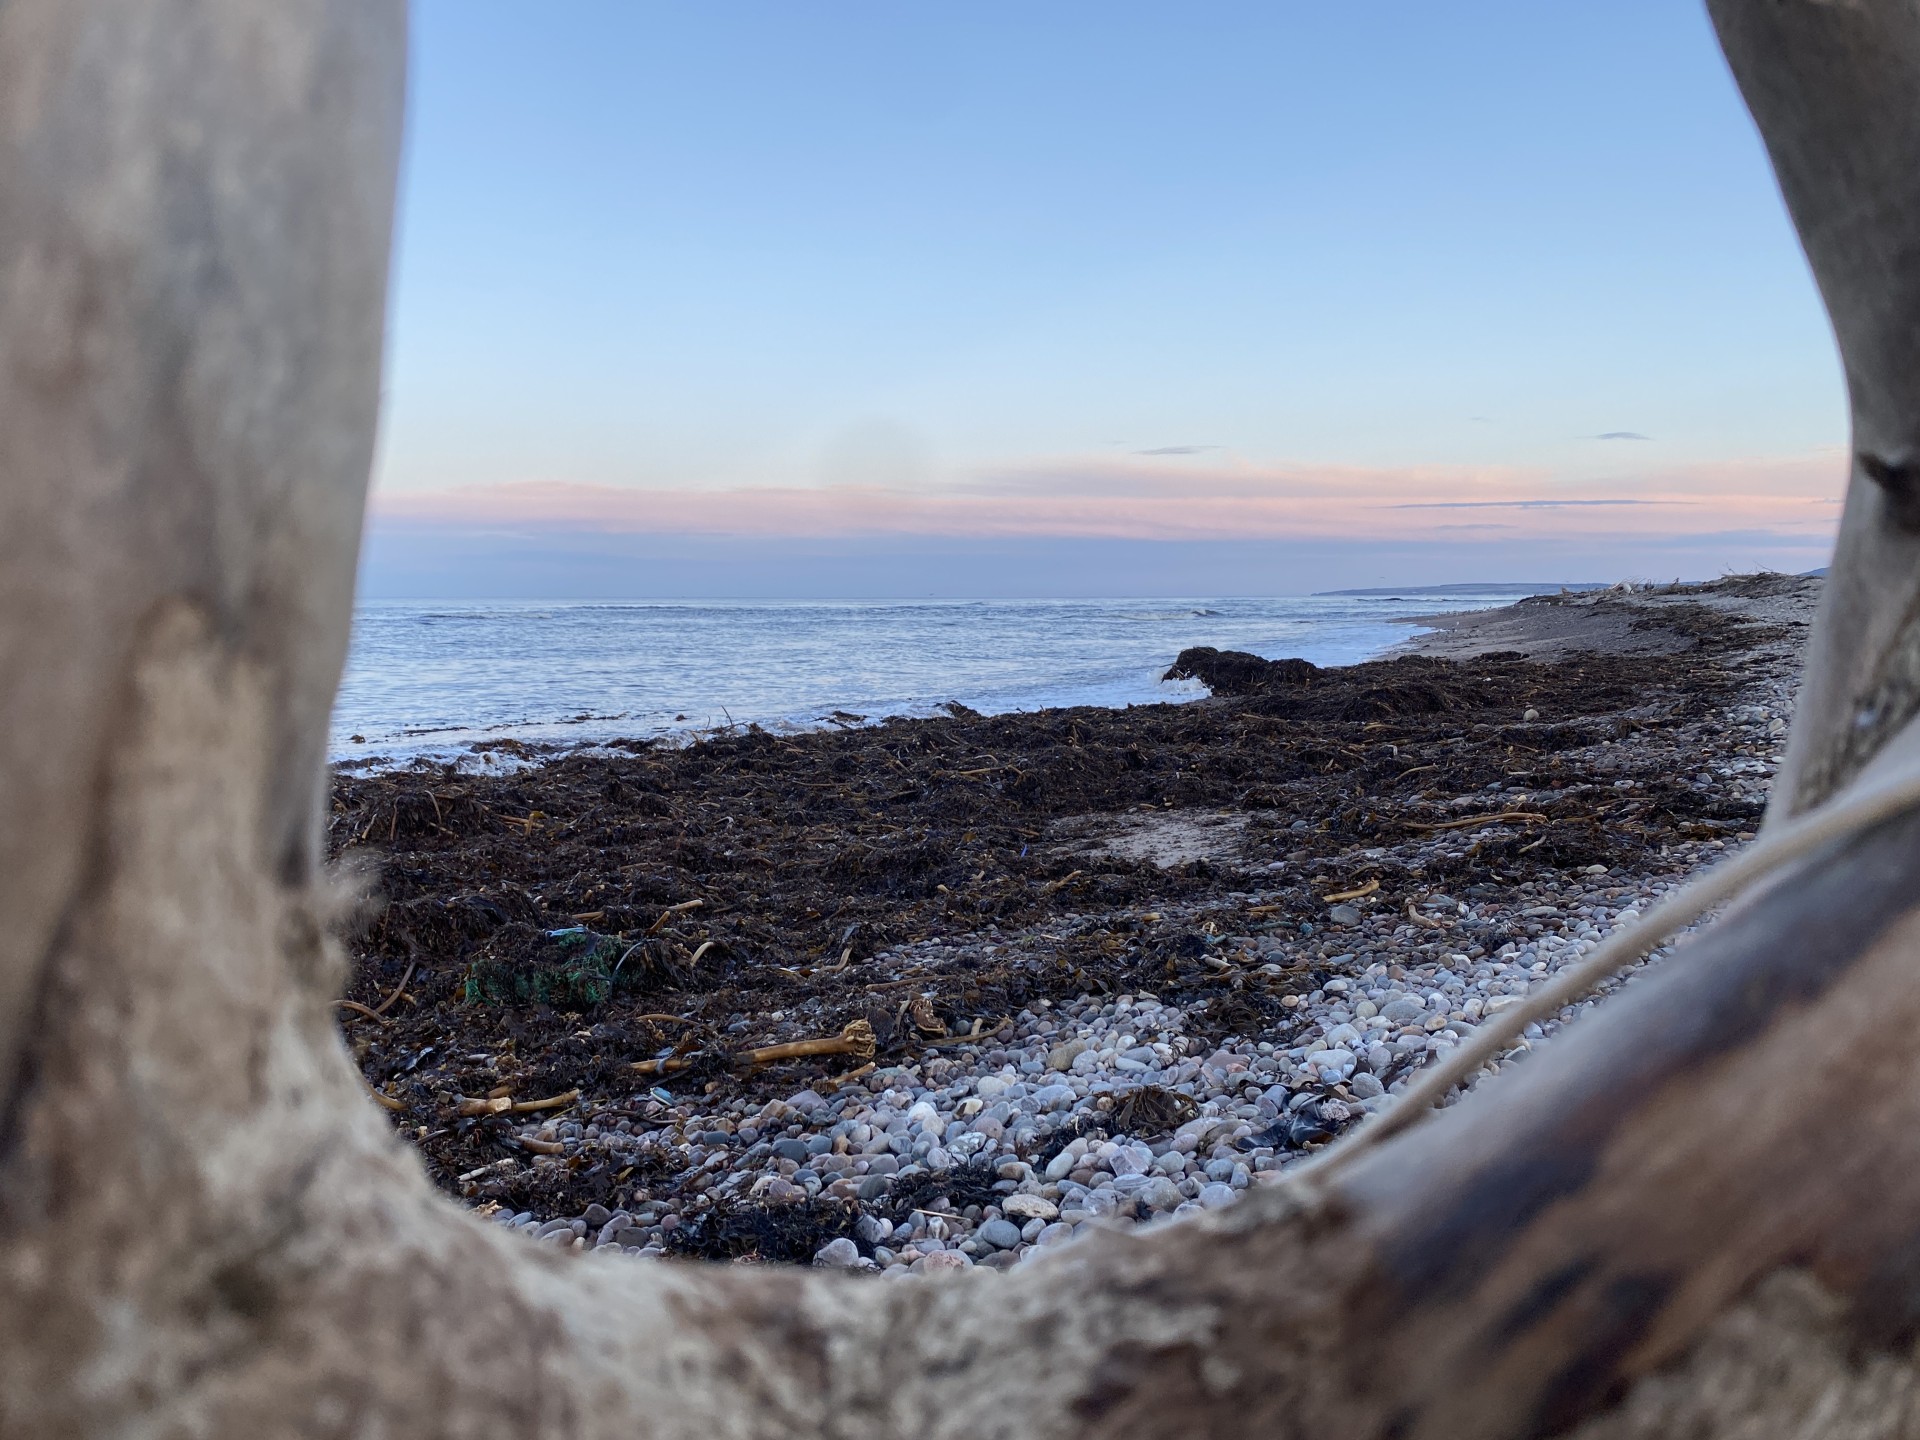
1528	504
1112	498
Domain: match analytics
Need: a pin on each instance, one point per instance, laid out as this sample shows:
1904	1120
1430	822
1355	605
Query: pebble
840	1254
1031	1207
1061	1057
1000	1234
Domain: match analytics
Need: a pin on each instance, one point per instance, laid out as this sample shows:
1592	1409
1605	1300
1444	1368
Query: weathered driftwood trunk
1699	1214
1832	84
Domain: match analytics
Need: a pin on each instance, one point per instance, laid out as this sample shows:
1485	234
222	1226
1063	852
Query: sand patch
1163	838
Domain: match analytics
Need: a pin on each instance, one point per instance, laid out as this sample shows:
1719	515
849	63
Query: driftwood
1697	1214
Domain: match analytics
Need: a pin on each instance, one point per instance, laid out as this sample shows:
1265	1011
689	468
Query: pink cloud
1213	499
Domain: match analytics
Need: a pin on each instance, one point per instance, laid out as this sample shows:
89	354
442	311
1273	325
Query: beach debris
378	1012
672	910
666	1065
552	1102
966	851
856	1038
1354	894
384	1100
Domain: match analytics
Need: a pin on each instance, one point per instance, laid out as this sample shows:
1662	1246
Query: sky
799	299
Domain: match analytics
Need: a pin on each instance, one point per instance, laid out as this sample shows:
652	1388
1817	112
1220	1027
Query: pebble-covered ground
1116	1108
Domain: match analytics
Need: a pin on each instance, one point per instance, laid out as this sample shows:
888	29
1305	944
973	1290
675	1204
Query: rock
945	1260
1061	1057
805	1102
1366	1086
841	1254
873	1228
1238	672
794	1150
596	1215
1000	1234
1213	1196
1055	1234
1333	1065
1131	1160
1344	915
875	1187
1530	715
1029	1207
1162	1194
1403	1011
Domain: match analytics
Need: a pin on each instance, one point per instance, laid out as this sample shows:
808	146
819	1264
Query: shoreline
1135	932
1115	657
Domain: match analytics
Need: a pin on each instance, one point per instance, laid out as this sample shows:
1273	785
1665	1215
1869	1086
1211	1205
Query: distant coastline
1509	587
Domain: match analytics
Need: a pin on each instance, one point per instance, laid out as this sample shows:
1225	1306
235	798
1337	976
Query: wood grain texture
1830	84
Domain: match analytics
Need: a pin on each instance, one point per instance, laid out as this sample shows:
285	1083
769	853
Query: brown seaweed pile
575	932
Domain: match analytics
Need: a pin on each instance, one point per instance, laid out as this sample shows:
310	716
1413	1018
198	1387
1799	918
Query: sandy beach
942	992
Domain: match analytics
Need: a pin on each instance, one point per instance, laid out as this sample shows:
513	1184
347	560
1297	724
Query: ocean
431	679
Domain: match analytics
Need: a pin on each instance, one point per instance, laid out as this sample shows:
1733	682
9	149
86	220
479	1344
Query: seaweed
791	1232
677	907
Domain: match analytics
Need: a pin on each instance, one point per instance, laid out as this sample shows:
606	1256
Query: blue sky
1306	295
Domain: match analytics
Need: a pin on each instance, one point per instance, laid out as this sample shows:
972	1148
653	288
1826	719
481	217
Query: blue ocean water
433	678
